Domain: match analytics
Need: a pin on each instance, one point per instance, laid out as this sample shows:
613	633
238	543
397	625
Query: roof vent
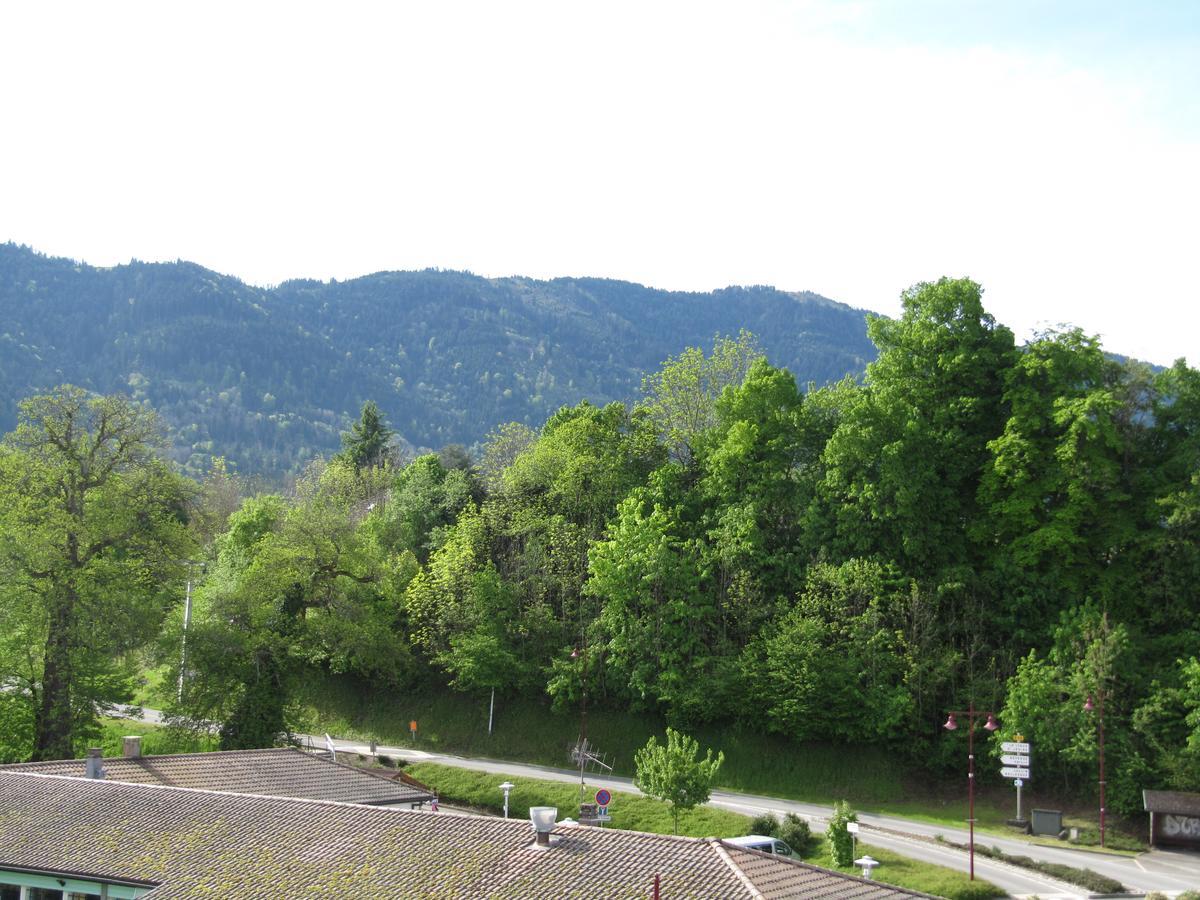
132	746
95	763
543	818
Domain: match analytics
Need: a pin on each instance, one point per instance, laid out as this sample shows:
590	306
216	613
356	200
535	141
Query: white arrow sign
1015	747
1013	772
1014	759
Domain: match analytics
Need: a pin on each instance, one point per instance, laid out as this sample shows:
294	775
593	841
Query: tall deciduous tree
905	461
681	397
92	534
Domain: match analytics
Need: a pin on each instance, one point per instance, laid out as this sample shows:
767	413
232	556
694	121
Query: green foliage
760	566
765	824
796	833
366	443
830	668
681	397
841	842
92	538
673	773
1085	878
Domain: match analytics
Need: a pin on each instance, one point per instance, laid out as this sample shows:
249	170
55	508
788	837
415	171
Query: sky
1049	150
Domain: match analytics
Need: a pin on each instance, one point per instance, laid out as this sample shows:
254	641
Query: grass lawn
903	871
530	731
480	790
155	739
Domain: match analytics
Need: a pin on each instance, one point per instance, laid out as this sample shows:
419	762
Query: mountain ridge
269	376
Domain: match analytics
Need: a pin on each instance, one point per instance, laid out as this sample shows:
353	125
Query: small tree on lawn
672	772
841	844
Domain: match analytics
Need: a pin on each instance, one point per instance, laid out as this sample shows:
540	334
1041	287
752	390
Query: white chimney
132	746
95	763
543	818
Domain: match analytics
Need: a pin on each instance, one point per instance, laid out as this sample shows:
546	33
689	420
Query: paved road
1166	871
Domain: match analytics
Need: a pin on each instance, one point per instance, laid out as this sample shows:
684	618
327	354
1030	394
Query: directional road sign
1014	772
1015	747
1014	759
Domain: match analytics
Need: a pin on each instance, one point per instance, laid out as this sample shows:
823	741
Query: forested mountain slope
270	377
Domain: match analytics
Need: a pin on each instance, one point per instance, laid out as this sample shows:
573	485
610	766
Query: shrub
975	890
841	845
1086	878
795	832
765	824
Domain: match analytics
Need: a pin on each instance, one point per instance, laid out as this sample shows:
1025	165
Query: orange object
412	726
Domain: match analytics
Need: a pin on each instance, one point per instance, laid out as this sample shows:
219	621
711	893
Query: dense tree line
974	521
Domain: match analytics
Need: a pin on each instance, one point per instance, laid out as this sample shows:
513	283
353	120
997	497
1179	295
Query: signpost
1015	765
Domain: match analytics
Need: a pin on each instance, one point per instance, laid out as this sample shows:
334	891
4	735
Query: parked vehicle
762	843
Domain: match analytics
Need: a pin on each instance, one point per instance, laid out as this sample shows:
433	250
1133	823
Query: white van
762	843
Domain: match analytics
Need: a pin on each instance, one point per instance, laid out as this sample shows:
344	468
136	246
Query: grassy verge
915	875
1085	878
480	790
155	739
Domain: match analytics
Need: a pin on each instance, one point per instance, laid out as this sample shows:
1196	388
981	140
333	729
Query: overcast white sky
1050	149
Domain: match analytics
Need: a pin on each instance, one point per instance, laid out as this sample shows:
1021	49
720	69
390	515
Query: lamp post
991	725
1098	707
576	654
506	787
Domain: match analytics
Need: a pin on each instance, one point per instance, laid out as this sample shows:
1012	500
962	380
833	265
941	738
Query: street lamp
1098	706
582	656
991	725
506	787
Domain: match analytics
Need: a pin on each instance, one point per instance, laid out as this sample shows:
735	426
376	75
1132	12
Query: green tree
903	466
367	442
92	535
674	773
297	586
681	397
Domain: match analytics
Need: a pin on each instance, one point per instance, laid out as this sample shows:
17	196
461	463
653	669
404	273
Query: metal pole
1101	711
971	780
187	618
491	711
1018	802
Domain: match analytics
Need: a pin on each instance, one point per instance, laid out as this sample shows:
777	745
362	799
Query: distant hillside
269	378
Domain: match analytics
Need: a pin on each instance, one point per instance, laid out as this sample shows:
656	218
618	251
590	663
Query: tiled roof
1178	803
775	878
281	772
196	844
